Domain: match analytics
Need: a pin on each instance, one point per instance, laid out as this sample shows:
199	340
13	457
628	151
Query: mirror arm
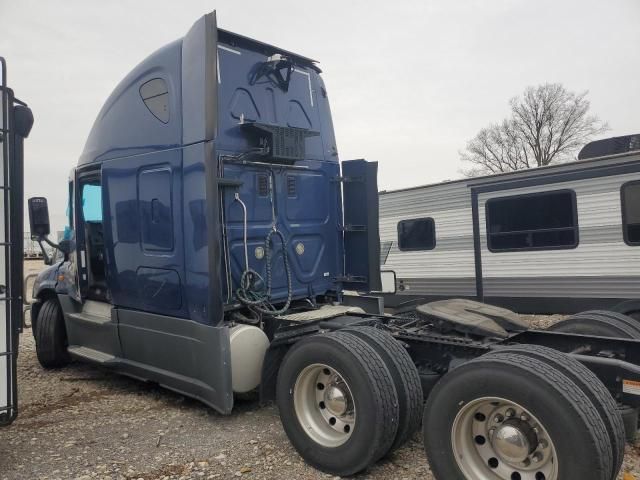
45	255
49	242
57	246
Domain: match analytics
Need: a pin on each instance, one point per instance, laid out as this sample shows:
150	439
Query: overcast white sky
409	81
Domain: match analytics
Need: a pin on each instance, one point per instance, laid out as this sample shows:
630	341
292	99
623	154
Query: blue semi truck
213	238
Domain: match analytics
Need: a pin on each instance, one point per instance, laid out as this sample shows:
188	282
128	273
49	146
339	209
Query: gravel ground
82	422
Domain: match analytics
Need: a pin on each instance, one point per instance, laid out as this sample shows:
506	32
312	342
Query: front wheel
337	402
513	417
51	336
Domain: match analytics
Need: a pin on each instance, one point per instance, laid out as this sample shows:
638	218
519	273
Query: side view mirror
23	120
39	217
40	228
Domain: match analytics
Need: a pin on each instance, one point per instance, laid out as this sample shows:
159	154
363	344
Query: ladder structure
15	123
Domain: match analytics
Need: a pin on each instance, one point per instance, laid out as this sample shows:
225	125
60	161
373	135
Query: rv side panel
601	266
448	269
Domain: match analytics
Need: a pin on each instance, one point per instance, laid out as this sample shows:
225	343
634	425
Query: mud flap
360	229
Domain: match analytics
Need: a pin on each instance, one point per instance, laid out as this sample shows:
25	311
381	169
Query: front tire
337	402
514	417
51	336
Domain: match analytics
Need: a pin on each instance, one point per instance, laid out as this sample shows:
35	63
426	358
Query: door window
92	203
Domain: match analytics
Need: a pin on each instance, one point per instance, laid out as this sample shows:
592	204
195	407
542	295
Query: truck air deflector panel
199	85
361	237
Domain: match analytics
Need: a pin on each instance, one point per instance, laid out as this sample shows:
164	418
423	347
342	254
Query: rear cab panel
301	198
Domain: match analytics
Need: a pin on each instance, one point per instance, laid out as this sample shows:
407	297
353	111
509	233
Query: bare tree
547	125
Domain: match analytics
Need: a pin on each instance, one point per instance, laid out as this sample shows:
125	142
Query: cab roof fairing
111	135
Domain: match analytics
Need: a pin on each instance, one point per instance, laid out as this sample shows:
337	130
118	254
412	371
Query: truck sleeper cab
233	143
213	234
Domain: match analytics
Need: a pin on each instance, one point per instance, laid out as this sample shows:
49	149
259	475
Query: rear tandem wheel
514	417
589	383
405	376
337	402
605	323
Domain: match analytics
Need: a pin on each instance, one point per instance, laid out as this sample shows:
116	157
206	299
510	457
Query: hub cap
494	438
514	441
324	405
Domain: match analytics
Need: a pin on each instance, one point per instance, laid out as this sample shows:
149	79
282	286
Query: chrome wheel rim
324	405
494	438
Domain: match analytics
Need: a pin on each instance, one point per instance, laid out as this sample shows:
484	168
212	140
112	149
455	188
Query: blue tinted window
92	203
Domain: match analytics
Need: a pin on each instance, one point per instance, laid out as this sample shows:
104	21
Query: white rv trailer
557	239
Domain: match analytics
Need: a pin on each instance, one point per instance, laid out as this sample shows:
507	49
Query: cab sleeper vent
291	185
263	186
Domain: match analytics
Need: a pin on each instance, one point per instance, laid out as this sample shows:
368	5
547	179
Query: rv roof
616	159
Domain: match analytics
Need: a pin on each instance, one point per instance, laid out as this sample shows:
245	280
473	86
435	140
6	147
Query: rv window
417	234
538	221
631	212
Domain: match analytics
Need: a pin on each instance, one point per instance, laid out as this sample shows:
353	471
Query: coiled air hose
259	299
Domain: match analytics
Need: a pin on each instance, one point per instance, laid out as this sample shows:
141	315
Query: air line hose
248	294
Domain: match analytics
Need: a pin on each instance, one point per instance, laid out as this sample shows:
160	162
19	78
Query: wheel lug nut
537	457
510	413
498	418
524	417
526	462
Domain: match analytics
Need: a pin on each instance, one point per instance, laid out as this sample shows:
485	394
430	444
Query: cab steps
91	355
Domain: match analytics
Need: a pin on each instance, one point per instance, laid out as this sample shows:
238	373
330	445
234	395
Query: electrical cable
260	299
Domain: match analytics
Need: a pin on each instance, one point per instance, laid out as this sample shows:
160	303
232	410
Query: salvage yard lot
85	422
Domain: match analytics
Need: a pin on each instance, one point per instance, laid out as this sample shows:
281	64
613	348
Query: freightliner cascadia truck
213	236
